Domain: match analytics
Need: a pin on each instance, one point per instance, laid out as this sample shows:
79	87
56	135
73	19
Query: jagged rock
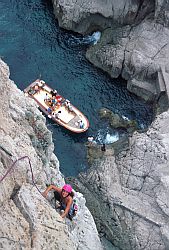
30	222
127	51
86	229
108	54
143	89
95	152
132	190
125	48
46	229
14	229
85	16
117	121
165	236
162	12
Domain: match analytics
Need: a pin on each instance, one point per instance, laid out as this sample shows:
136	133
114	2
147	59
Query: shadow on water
33	45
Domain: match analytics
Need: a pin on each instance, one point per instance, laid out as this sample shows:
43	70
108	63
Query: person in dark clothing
49	110
103	147
64	196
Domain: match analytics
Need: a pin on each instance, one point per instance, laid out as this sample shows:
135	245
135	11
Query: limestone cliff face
161	12
128	192
134	41
28	221
132	189
84	16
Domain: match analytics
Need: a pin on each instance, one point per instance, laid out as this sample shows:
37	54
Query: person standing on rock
103	147
64	199
90	140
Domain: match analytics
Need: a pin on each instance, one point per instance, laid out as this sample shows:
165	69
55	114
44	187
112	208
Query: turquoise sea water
33	45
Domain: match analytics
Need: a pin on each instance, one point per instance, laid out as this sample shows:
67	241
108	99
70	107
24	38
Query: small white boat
56	107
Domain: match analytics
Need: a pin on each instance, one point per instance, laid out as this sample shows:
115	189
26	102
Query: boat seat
73	121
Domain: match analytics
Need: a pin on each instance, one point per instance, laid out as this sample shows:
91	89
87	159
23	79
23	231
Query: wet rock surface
117	121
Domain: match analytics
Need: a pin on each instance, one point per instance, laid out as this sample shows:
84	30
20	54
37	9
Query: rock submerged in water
117	121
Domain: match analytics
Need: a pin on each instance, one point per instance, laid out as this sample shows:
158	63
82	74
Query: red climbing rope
13	165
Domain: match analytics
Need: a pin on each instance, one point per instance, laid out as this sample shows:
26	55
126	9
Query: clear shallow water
33	45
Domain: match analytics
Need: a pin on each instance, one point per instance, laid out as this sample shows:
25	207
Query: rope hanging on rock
13	165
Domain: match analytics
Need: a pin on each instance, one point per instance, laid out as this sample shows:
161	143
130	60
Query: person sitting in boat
68	105
63	101
58	98
58	104
47	98
64	199
70	108
81	124
53	92
36	88
57	115
53	100
67	102
49	110
41	83
31	91
53	107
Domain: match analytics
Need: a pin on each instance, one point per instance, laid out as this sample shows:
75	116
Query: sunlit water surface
33	45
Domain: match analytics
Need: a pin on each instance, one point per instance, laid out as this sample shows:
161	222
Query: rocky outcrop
86	16
162	12
128	52
117	121
132	187
134	41
28	220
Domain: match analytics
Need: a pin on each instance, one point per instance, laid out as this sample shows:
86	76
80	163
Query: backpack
75	207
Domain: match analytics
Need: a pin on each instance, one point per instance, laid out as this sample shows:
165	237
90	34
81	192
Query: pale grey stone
28	220
134	41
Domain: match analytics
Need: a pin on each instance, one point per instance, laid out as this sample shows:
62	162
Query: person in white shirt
58	114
